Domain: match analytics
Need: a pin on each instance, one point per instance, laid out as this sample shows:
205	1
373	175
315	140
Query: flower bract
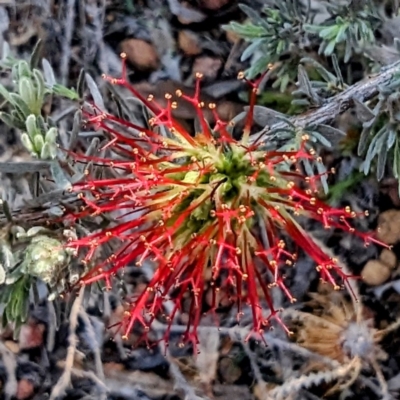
212	214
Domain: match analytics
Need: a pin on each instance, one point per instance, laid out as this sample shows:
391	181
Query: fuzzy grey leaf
330	132
95	92
363	141
320	138
382	157
48	73
75	129
364	113
35	55
59	176
325	74
265	116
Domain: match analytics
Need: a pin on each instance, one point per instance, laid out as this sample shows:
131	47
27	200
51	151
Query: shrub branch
363	90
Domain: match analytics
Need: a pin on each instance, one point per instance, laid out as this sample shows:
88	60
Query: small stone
31	335
25	389
213	4
186	14
228	370
375	273
188	43
389	226
388	258
207	66
141	54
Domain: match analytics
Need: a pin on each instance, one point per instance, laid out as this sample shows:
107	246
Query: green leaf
27	93
284	82
246	31
5	93
23	69
65	92
45	152
51	135
31	126
20	104
348	52
40	87
95	92
7	119
41	124
26	141
373	149
48	73
252	48
35	55
325	74
53	151
382	156
320	138
59	176
300	102
330	48
329	33
313	28
38	143
259	66
15	298
341	35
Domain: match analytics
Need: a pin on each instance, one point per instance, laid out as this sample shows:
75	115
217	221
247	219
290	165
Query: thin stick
180	381
10	364
94	344
65	378
66	46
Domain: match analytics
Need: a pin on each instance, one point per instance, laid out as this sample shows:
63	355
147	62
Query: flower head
212	213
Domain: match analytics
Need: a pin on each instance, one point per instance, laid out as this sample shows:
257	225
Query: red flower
200	202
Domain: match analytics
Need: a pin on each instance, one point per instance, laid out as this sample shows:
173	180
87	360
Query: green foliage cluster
352	25
283	32
26	98
379	140
274	32
309	58
25	258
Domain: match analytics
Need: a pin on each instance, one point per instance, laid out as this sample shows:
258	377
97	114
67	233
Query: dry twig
65	379
10	364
